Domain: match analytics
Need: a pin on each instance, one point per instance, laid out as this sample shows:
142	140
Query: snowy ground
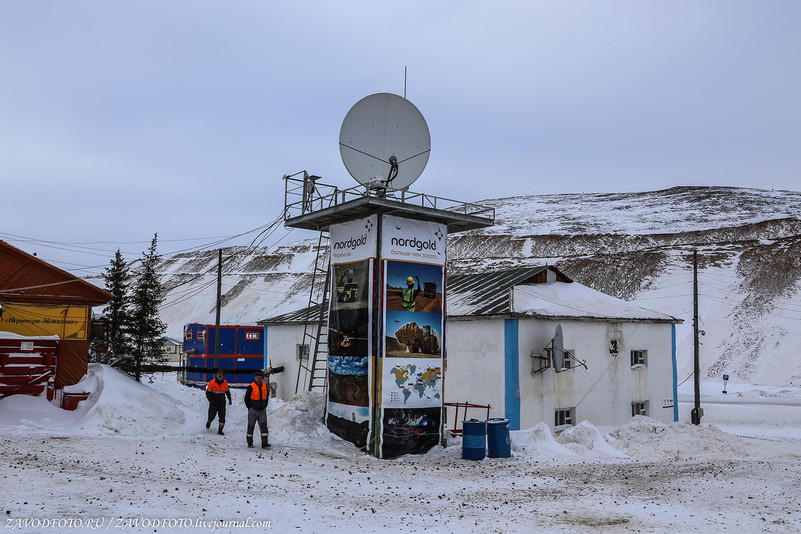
137	458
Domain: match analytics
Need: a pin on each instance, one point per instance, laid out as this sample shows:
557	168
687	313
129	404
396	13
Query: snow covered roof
573	300
167	340
12	335
538	292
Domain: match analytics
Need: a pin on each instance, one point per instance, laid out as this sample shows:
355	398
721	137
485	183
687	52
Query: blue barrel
474	439
499	445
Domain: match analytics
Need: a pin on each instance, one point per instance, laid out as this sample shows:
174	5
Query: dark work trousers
260	416
217	406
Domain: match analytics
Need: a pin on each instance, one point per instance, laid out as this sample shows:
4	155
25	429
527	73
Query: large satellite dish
384	141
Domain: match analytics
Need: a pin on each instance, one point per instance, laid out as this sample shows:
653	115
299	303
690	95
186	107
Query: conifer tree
115	347
147	329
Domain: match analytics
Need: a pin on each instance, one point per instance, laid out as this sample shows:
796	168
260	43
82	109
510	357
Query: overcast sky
121	119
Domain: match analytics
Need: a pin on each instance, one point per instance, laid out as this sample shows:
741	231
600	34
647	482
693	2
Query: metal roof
309	314
489	293
26	278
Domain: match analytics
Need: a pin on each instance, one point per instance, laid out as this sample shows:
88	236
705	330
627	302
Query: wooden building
45	323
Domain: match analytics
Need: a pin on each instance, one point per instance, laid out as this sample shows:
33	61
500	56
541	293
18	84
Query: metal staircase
312	370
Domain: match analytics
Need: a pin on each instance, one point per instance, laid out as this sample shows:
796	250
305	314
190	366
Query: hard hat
410	280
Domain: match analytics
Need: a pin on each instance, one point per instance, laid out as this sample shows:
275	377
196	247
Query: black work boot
250	443
220	432
208	424
264	444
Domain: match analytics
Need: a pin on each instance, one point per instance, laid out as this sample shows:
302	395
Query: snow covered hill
636	246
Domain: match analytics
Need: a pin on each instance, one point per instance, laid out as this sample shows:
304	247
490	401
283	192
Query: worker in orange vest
216	391
256	398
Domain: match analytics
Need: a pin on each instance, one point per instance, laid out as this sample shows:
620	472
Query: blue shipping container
241	347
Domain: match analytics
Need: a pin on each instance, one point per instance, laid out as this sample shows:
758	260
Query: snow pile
116	405
586	440
649	439
579	443
299	422
132	409
537	442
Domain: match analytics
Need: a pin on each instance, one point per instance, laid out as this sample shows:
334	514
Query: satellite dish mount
556	356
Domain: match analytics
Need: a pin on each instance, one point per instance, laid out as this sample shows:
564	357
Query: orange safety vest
214	387
255	394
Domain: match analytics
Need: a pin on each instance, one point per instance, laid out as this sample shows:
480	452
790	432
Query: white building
619	358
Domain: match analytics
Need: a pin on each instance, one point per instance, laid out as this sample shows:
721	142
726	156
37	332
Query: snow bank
537	442
117	405
649	439
299	422
586	440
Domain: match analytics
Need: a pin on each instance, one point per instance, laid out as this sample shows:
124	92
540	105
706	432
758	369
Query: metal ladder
314	368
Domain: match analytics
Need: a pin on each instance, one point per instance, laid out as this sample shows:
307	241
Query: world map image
422	382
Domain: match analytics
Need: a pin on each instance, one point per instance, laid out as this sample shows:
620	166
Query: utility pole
697	411
219	300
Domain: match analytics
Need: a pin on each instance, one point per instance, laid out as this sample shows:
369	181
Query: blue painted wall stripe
675	374
511	373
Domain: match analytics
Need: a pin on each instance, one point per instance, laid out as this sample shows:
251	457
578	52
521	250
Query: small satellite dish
558	349
384	141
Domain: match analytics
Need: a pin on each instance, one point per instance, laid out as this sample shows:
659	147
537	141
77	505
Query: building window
302	352
639	408
639	359
188	335
252	336
565	416
201	335
570	356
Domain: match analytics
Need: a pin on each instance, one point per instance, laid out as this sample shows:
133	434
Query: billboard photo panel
351	285
413	286
409	334
410	431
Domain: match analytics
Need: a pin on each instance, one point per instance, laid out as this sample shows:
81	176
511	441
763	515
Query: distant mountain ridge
635	246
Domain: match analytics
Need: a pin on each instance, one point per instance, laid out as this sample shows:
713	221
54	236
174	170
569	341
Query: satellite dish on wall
558	349
384	141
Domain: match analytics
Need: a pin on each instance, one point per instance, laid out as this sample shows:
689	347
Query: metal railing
306	195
